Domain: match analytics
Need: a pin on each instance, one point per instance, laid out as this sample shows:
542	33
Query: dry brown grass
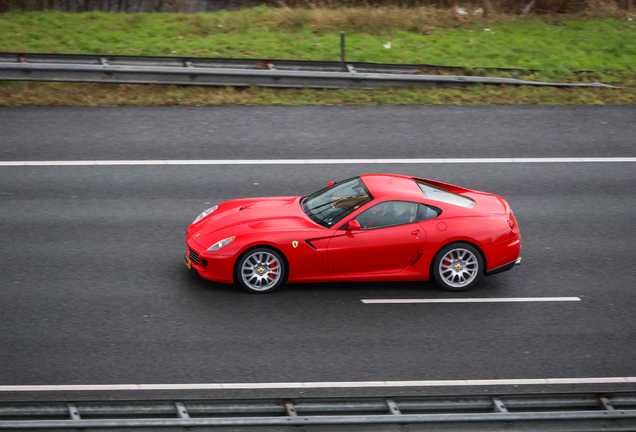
72	94
369	20
377	20
593	7
385	19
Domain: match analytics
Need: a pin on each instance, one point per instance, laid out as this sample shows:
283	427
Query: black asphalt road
93	288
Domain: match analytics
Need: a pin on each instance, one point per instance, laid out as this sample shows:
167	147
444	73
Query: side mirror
353	225
331	183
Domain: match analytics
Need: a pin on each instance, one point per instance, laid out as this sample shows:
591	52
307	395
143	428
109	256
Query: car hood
236	217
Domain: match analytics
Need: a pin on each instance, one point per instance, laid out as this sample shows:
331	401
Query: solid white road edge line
472	300
315	161
353	384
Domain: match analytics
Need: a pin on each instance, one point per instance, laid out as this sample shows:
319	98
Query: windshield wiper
334	202
332	216
302	203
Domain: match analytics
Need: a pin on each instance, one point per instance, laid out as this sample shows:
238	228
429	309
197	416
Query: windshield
326	207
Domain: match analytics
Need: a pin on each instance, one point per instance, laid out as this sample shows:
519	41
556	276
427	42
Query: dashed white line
472	300
307	385
317	161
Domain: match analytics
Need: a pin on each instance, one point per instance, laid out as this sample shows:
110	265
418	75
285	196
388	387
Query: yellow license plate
187	261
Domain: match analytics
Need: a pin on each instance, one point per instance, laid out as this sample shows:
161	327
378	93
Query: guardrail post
342	51
73	412
607	405
182	412
291	410
393	407
499	406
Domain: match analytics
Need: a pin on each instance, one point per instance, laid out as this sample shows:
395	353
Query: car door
387	241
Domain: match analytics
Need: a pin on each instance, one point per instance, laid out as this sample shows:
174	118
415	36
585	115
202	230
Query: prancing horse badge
295	244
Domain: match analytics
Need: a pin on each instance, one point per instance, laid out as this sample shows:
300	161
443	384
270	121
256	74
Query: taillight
512	223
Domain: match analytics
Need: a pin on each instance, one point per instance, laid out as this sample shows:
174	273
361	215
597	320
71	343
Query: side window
387	214
425	212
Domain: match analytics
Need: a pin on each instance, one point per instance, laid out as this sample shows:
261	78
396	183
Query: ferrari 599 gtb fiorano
374	227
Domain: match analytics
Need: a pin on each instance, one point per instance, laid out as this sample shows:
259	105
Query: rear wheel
260	270
458	267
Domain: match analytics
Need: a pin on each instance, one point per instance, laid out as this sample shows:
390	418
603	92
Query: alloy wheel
261	271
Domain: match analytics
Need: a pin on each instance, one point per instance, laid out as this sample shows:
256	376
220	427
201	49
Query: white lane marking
288	385
473	300
315	161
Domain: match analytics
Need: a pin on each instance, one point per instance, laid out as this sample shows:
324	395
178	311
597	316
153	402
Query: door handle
416	232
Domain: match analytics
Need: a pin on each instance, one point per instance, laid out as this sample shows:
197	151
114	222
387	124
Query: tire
260	270
458	267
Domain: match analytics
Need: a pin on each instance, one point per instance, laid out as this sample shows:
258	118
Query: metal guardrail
240	72
564	412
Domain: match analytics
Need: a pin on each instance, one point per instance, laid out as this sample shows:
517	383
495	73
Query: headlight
218	245
205	213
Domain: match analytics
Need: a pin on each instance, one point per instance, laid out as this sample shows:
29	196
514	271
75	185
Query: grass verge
558	46
65	94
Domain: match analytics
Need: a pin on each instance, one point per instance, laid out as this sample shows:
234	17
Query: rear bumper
503	255
504	267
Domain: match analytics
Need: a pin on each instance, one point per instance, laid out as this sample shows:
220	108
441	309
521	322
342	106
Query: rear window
438	194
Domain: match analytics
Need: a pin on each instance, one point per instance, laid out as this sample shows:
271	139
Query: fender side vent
310	245
415	259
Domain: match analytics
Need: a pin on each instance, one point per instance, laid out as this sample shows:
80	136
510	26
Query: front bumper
210	265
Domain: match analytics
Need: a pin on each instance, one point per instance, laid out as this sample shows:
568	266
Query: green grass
558	46
597	44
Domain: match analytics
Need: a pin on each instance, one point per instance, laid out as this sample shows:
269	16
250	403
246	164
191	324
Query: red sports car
376	227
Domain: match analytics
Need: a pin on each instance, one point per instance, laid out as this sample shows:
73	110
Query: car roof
390	186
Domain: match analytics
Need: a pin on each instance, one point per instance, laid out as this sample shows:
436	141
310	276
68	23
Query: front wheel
458	267
260	270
